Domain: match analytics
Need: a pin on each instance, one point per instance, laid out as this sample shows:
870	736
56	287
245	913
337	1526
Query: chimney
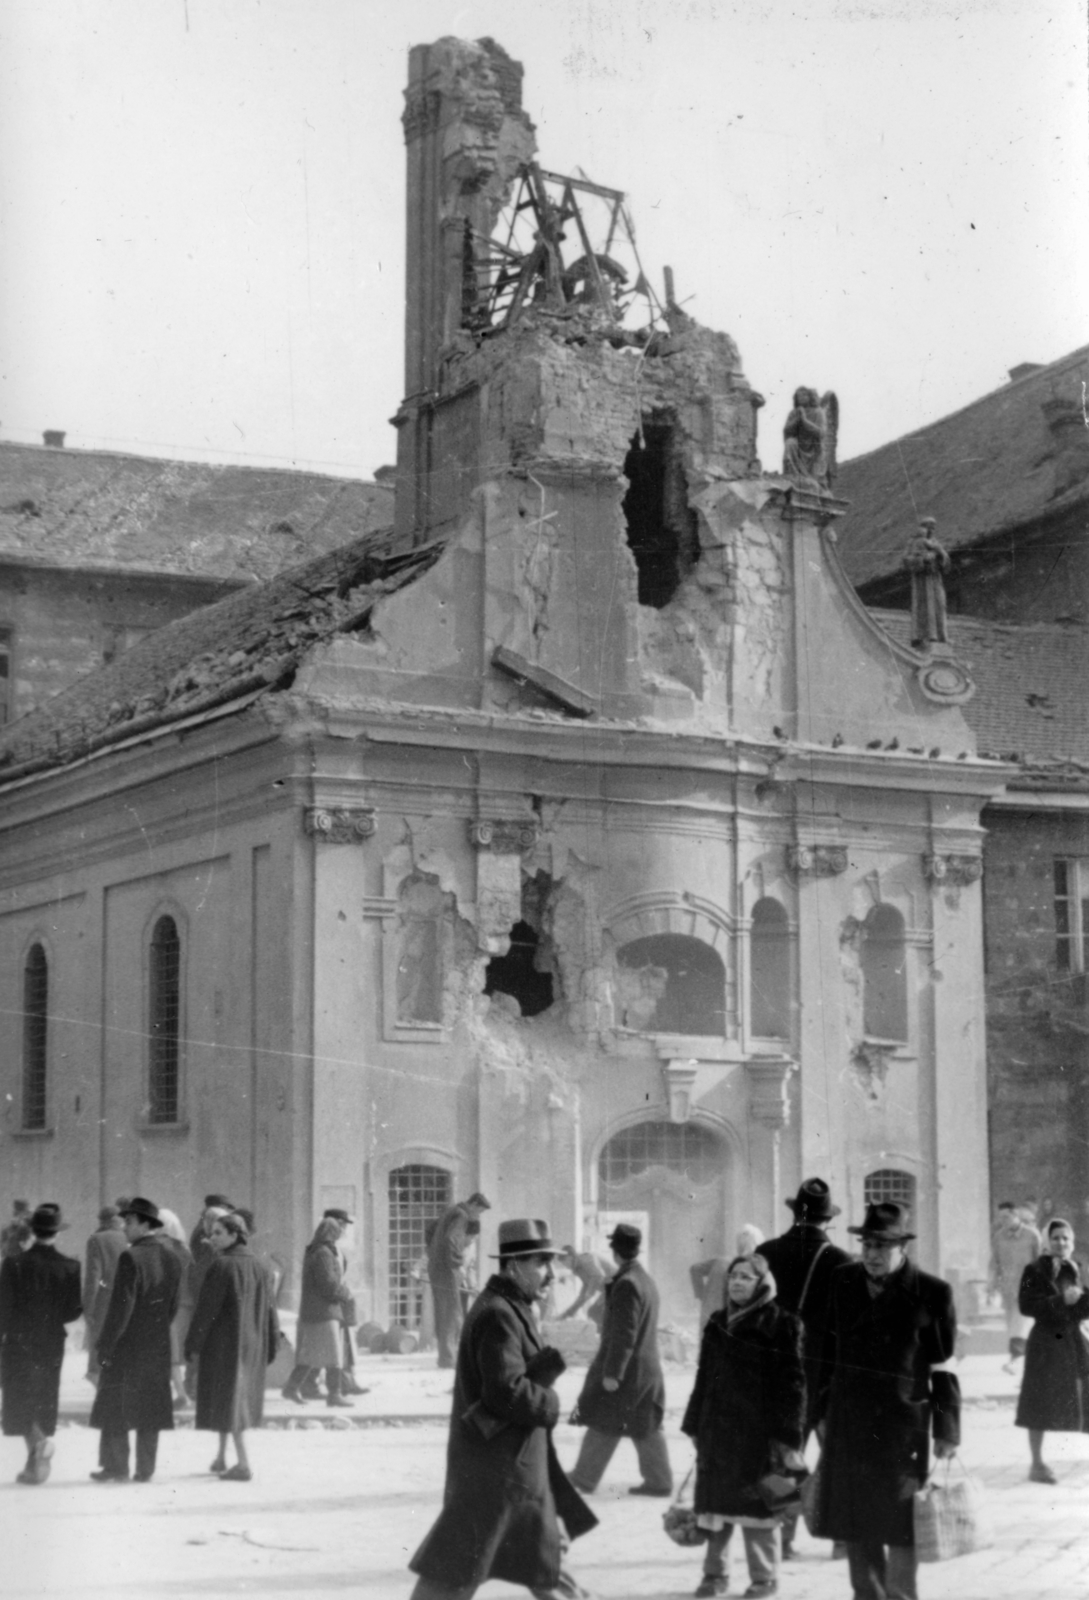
1023	370
54	438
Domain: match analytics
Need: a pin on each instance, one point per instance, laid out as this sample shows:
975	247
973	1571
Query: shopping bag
811	1503
679	1521
951	1516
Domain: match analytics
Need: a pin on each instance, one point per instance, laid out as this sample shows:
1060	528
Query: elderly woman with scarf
746	1416
1055	1387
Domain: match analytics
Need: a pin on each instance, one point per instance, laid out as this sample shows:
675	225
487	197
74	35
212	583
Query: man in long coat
39	1293
505	1490
446	1270
104	1249
891	1336
624	1392
134	1349
802	1261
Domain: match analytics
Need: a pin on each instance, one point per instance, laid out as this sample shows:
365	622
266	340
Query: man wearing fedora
891	1336
506	1493
624	1392
446	1270
802	1261
39	1293
134	1349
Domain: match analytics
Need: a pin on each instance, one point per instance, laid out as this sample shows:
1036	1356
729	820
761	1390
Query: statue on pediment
927	560
809	450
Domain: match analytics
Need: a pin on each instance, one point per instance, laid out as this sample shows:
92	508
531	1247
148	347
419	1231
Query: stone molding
944	681
422	113
769	1101
680	1081
339	824
817	860
952	869
505	836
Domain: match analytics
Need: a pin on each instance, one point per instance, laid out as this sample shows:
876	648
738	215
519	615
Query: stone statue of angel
809	451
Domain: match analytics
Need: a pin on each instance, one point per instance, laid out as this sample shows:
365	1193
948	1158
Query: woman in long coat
324	1309
746	1416
235	1332
1055	1387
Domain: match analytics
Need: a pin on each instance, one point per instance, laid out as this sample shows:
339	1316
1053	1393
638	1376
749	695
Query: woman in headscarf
746	1417
235	1333
325	1301
172	1236
1055	1386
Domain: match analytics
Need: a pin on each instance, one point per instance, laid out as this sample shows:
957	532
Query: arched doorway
678	1174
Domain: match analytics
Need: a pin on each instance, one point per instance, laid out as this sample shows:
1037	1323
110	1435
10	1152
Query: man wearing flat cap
891	1336
624	1392
803	1261
39	1293
446	1269
506	1493
134	1349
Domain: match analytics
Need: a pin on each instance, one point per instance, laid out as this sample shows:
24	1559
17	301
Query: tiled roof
249	643
1031	702
91	509
993	465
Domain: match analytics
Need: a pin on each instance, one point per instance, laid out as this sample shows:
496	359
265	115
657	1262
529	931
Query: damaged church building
580	838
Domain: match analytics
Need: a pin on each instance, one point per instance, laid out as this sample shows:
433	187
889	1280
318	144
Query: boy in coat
39	1293
134	1349
891	1337
505	1490
624	1392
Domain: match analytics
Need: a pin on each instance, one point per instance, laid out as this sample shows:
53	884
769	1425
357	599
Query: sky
202	202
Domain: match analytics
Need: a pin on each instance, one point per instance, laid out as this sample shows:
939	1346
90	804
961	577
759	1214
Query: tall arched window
164	1014
418	1196
884	975
769	972
671	983
35	1026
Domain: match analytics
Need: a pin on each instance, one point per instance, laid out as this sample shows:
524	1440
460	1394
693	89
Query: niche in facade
884	975
420	958
662	531
769	967
671	983
524	972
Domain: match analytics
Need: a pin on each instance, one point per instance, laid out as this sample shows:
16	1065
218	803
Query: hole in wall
662	530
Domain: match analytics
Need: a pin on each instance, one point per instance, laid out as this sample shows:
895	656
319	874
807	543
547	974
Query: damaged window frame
659	1028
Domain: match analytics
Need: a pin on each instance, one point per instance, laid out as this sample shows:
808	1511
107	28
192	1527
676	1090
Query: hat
813	1202
108	1214
626	1238
211	1200
339	1215
525	1236
886	1222
479	1200
47	1220
144	1209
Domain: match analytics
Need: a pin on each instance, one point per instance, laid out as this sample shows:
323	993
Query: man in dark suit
39	1293
891	1336
802	1262
624	1392
134	1349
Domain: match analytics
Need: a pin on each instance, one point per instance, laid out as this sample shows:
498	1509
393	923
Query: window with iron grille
35	1026
684	1147
417	1195
164	1008
887	1183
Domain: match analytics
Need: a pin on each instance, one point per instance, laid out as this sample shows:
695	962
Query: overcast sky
202	202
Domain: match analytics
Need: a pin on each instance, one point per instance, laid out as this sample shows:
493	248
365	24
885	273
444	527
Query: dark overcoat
1055	1388
628	1352
134	1345
790	1257
883	1400
750	1390
505	1488
235	1333
325	1295
39	1293
104	1249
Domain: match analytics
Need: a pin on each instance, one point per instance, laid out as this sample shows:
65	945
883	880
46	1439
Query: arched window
686	1148
888	1183
418	1195
884	975
769	972
164	1015
35	1025
671	983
